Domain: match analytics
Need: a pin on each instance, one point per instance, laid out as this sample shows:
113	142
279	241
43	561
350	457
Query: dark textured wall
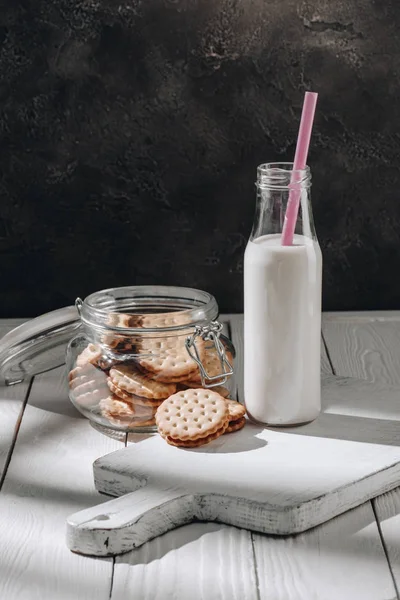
130	131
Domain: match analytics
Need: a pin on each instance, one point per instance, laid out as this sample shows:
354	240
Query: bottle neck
275	183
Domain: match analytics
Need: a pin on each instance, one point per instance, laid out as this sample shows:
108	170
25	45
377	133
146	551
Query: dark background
130	132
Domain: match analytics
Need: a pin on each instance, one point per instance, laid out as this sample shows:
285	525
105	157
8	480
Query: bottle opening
281	176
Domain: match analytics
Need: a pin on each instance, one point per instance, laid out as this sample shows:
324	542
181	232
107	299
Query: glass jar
138	345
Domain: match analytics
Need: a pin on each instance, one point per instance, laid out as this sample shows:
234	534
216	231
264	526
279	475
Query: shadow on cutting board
356	410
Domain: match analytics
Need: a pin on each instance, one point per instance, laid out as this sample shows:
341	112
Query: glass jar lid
37	345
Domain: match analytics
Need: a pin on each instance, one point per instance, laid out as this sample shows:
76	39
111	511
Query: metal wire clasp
78	304
211	333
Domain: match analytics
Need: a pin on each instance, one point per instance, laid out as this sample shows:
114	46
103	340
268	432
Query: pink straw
300	162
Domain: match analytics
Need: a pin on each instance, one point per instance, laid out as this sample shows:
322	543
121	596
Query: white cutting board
277	481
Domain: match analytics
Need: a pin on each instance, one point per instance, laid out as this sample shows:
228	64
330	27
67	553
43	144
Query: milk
282	337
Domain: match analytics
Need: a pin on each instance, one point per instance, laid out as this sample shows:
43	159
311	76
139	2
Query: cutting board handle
124	523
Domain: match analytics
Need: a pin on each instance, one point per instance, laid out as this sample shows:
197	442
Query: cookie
236	410
79	375
90	355
212	365
235	425
123	320
114	389
164	378
120	343
161	320
195	443
117	407
88	385
168	359
89	394
78	372
192	415
219	389
129	379
124	414
132	398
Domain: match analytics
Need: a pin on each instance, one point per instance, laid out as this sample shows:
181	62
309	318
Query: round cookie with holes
236	410
237	418
219	389
88	386
167	359
132	398
129	379
236	425
192	417
118	341
162	320
90	355
122	413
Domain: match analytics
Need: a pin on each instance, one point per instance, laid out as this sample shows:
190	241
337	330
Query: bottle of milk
282	304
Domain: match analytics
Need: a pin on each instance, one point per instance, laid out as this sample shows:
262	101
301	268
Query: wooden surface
355	556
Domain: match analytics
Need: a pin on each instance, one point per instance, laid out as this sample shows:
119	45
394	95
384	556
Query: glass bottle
282	304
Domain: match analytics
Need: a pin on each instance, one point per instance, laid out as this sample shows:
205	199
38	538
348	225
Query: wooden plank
371	349
364	316
368	348
387	511
226	325
340	559
11	408
326	367
12	405
236	323
201	561
50	476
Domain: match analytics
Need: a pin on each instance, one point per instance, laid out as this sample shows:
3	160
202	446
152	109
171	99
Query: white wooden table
46	455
